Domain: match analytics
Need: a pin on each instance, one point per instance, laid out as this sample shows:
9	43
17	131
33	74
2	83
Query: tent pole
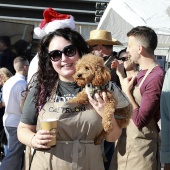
167	62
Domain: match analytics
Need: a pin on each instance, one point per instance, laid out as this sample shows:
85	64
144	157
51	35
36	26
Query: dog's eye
86	68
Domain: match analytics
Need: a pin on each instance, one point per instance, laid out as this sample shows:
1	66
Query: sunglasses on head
123	58
68	51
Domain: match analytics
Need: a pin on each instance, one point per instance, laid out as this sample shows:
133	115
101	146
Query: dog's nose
79	75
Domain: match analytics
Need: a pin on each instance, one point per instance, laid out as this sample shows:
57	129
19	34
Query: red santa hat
52	21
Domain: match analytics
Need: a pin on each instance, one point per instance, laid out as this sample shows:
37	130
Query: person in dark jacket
101	44
7	56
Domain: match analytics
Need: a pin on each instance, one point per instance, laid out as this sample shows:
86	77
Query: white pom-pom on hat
52	21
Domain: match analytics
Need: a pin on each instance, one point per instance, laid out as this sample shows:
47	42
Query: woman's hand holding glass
40	139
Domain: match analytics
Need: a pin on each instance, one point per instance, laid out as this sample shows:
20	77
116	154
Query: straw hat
101	37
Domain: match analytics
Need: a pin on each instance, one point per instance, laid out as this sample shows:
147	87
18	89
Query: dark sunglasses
68	51
123	58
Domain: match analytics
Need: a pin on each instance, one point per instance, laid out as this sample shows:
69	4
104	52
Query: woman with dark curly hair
78	125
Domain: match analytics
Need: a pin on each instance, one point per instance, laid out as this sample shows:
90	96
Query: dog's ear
102	76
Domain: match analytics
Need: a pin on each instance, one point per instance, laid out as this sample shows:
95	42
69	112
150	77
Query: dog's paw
123	116
78	101
73	100
99	138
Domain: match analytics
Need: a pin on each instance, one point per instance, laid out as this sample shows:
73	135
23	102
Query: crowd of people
136	78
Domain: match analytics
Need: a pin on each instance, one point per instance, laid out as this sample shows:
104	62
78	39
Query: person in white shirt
12	94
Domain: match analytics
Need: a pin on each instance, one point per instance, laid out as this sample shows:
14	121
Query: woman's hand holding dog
98	102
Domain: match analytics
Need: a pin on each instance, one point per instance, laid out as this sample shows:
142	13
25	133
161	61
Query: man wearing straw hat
102	43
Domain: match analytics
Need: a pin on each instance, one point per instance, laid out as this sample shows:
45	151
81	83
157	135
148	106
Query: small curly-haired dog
92	74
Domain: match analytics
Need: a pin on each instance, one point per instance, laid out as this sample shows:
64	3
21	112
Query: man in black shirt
6	55
101	44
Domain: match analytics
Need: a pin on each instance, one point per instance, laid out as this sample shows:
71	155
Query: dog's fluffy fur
91	70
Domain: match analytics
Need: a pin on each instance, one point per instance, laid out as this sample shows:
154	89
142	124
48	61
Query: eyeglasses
123	58
56	55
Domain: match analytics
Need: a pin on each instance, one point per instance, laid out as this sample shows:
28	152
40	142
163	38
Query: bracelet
31	142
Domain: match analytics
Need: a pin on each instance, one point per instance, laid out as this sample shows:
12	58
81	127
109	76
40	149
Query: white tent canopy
121	16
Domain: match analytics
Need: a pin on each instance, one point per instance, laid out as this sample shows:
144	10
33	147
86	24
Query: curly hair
5	75
46	76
